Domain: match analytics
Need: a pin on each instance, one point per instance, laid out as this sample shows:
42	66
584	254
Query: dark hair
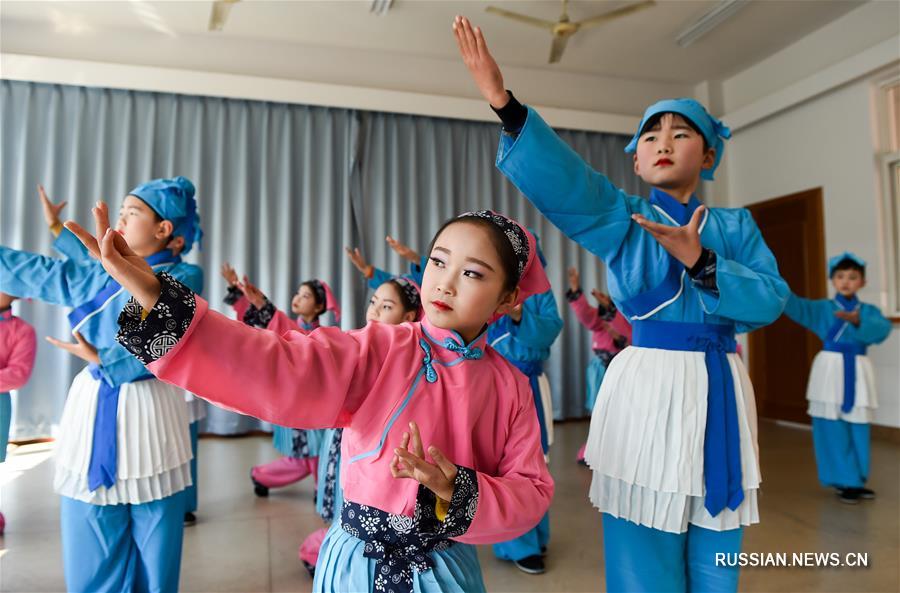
409	295
654	119
508	259
848	264
318	293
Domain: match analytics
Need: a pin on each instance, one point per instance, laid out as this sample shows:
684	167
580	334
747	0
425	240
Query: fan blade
613	14
558	47
522	18
219	14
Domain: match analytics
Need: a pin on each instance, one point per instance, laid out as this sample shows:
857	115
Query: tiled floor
243	543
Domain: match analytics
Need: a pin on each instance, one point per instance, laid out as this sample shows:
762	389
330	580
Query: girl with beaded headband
440	449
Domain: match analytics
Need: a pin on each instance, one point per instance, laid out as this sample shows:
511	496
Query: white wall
827	142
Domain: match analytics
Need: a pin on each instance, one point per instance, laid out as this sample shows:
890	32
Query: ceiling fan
219	14
564	28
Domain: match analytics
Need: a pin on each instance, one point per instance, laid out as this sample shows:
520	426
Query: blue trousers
842	452
190	493
639	558
5	420
122	548
527	544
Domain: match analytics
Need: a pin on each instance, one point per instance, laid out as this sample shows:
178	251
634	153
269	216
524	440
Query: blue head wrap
173	200
837	259
713	130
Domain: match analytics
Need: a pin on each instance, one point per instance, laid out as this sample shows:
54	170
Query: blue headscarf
713	130
837	259
173	200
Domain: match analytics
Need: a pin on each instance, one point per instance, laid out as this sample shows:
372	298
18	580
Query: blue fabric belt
848	352
102	467
722	443
533	370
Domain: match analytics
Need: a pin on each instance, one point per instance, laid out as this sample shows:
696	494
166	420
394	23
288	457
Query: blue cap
834	261
173	200
713	130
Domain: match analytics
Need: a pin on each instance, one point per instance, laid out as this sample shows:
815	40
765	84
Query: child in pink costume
299	448
610	334
17	351
410	519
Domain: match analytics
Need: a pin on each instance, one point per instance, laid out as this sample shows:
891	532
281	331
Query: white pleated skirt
646	440
196	407
153	443
825	390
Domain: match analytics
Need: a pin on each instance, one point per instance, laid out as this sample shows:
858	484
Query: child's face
139	225
670	155
848	282
384	306
304	303
463	283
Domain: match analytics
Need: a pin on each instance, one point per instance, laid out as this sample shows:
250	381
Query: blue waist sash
722	443
848	352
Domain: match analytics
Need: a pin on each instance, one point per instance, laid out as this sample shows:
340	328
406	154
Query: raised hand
51	210
516	313
602	298
253	294
230	275
81	348
482	66
850	316
403	250
682	242
357	259
409	462
574	279
124	265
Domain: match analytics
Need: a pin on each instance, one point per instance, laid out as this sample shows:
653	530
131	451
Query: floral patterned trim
400	544
703	273
233	295
260	317
152	338
607	313
573	295
331	469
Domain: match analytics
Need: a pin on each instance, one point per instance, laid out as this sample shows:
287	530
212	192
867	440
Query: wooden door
781	354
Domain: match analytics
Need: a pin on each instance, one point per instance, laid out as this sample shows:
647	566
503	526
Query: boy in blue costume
841	388
124	451
672	443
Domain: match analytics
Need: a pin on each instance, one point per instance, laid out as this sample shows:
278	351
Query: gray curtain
281	188
272	185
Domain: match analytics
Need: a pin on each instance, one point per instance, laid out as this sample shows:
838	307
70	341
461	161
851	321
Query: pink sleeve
513	501
305	381
21	360
621	325
587	315
281	323
240	307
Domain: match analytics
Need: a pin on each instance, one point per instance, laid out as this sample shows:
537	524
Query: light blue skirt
343	568
595	372
283	440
